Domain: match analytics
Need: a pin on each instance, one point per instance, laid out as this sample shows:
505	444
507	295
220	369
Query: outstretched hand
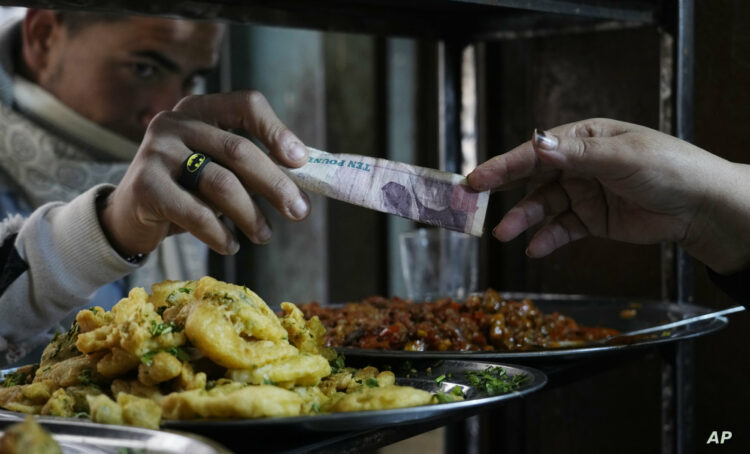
620	181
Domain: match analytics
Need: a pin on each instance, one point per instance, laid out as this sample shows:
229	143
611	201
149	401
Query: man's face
121	74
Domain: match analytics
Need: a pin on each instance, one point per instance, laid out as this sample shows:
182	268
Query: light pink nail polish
545	140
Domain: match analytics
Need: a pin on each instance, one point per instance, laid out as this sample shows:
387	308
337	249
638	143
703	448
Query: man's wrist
101	200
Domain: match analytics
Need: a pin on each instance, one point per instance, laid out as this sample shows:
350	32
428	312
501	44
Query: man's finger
256	172
250	111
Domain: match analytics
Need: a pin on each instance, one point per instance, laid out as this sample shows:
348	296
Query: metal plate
419	374
422	375
76	436
585	310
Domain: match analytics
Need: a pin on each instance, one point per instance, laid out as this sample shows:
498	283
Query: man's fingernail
297	152
299	208
264	233
234	247
545	140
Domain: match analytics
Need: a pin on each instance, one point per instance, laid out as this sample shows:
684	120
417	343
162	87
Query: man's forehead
181	39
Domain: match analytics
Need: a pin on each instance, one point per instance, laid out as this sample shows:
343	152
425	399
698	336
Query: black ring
191	170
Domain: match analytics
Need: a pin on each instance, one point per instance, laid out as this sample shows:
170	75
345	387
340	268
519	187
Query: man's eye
143	70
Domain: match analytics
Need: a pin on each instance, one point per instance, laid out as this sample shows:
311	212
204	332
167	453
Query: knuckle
187	101
236	148
222	183
284	189
255	99
200	215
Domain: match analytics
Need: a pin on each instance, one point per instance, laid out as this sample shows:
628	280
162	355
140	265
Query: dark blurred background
375	96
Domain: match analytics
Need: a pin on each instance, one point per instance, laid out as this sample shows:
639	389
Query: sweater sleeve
59	259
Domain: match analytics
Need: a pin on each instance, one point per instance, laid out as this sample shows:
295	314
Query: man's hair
75	21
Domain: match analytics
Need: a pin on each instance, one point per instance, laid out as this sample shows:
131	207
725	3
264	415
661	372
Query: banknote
430	196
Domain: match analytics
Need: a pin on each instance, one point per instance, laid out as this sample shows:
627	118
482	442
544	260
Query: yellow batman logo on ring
194	162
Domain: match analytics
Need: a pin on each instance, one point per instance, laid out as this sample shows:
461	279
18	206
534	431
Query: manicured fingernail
299	208
297	151
545	140
264	233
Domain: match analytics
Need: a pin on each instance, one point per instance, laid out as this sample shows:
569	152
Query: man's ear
40	30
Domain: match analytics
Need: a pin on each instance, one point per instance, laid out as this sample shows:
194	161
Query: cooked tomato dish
481	322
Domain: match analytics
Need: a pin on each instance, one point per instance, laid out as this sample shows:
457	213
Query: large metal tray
419	374
586	310
77	436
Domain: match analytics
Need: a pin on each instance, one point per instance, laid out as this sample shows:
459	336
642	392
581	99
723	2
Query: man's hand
625	182
149	204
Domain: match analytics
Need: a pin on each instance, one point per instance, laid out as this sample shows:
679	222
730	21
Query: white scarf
50	166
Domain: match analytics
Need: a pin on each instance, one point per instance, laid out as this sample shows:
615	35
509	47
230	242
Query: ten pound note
430	196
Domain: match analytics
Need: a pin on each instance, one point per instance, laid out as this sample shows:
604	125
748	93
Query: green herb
73	331
495	380
268	381
372	382
159	328
85	378
445	398
160	310
184	290
148	357
454	395
14	378
315	407
178	352
440	379
81	415
93	310
337	363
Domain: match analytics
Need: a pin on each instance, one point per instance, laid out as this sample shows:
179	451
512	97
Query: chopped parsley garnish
178	352
495	380
372	382
14	378
148	357
440	379
158	328
337	363
85	378
315	407
184	290
160	310
454	395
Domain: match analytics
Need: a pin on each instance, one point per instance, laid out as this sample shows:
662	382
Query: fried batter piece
233	400
300	370
28	437
378	398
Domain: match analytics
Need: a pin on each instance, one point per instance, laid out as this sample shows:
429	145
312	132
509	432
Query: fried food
28	437
196	349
